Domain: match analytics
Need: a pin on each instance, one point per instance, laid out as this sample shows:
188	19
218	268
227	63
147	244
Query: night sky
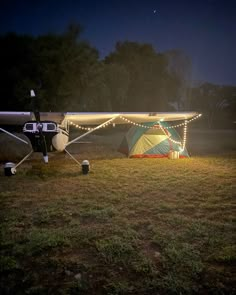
204	29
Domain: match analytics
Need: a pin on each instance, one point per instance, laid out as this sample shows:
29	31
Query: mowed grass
132	226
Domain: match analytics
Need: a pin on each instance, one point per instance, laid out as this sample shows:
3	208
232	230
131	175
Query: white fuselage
60	140
56	137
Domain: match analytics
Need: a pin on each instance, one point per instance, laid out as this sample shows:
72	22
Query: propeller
42	140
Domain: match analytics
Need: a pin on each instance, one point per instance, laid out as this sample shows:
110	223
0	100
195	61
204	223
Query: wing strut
85	134
23	160
16	137
92	130
13	167
72	157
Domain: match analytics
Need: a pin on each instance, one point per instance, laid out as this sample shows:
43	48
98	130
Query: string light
158	126
80	127
185	134
88	128
182	124
169	137
167	127
153	127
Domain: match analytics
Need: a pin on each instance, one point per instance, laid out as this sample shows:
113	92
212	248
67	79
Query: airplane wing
123	118
15	118
84	118
19	118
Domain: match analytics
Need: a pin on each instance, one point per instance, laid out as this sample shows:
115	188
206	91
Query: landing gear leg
10	168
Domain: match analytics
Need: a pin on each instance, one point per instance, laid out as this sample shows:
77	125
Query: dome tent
152	142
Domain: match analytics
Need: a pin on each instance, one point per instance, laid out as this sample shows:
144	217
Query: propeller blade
37	116
35	105
43	144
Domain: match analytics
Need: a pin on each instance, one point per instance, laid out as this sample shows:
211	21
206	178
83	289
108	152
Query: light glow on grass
159	226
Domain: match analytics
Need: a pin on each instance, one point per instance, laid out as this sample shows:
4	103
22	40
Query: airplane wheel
85	167
9	169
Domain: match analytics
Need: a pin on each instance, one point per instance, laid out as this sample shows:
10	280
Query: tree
17	70
68	66
58	67
217	103
149	80
179	67
117	80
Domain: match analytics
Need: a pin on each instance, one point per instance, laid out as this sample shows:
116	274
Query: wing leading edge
83	118
19	118
15	118
119	118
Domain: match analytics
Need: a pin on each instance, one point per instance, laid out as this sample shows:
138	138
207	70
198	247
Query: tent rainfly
151	142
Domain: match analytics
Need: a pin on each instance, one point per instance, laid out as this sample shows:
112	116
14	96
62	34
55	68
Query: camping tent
151	142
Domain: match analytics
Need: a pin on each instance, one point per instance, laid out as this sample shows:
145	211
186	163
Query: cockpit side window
51	127
29	126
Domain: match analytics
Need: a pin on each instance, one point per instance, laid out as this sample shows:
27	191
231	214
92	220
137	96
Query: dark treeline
67	75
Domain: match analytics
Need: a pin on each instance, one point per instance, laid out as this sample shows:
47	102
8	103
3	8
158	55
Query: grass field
132	226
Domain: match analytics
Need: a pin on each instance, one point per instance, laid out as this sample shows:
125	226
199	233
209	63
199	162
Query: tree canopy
67	74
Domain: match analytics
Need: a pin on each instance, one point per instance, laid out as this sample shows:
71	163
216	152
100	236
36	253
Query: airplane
49	131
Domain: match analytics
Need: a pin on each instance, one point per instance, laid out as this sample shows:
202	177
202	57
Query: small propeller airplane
49	131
